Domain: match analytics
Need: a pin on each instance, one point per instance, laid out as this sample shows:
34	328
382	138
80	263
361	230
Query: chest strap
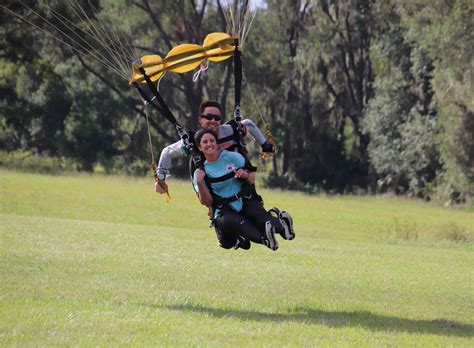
221	178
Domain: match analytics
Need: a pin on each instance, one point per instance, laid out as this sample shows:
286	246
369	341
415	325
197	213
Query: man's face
210	118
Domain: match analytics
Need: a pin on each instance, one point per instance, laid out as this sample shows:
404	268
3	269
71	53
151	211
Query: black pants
248	223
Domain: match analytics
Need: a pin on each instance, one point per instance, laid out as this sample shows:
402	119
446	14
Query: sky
258	4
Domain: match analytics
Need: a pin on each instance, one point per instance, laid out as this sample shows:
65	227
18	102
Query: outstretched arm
164	164
258	135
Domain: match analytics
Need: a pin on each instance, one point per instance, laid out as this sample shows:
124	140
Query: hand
161	187
241	174
200	174
268	147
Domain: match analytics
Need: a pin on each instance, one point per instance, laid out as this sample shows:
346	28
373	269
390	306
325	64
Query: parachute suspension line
77	50
202	68
93	39
153	163
116	50
149	136
268	133
118	47
239	18
89	31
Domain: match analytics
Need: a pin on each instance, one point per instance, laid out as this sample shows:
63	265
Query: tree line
361	95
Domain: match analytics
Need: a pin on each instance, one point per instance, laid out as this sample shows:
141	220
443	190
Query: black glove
268	147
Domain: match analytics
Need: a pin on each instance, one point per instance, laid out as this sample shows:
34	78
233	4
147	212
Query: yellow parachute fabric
185	57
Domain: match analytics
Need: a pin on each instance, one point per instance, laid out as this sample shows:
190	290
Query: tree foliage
359	94
444	29
400	117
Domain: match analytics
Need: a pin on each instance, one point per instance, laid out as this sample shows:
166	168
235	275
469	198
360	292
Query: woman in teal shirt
227	187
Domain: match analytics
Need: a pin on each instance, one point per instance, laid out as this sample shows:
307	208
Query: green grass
104	261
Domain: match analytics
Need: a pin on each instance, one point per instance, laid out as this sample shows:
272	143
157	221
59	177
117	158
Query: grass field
104	261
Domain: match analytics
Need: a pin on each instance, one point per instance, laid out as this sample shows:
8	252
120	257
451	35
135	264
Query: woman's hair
200	133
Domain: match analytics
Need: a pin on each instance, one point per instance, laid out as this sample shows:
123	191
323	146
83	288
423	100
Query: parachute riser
237	90
163	108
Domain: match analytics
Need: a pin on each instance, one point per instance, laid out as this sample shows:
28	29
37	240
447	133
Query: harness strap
246	192
222	178
239	144
248	166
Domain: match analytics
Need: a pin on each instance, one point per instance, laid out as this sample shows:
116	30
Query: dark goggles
212	117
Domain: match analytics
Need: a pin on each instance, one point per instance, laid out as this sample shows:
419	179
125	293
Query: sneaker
287	222
275	212
242	243
269	239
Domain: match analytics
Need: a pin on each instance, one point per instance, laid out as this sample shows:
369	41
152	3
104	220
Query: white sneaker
286	221
269	239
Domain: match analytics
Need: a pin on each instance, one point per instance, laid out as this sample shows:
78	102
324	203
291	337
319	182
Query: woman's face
208	144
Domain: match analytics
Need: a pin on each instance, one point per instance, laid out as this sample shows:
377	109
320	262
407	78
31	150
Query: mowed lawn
104	261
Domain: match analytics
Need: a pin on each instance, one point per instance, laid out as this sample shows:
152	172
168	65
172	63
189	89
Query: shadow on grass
373	322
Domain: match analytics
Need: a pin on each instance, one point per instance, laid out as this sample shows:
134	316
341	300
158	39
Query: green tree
444	29
320	61
58	102
400	118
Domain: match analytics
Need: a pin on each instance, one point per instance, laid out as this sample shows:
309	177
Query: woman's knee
226	239
227	221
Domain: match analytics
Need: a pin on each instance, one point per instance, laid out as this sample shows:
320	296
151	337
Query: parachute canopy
185	57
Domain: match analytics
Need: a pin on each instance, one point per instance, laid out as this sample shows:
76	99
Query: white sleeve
254	131
196	187
168	153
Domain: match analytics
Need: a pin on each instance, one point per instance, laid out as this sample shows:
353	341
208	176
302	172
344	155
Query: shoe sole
286	231
271	241
289	233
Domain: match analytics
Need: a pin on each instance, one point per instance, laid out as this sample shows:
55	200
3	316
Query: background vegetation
361	95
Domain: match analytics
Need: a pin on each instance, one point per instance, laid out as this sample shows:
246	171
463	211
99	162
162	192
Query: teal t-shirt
228	162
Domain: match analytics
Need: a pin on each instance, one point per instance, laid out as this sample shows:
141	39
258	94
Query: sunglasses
212	117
